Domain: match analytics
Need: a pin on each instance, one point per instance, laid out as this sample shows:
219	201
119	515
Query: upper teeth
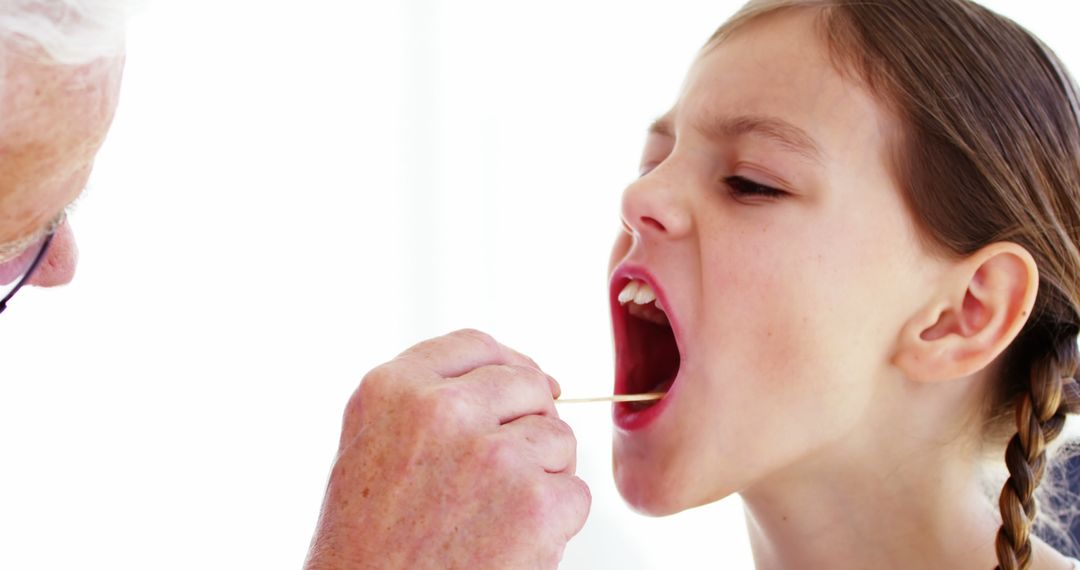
639	292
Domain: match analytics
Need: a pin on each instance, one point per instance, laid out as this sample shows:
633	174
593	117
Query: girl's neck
893	503
854	538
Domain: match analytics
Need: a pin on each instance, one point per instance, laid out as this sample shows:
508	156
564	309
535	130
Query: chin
646	500
647	490
657	492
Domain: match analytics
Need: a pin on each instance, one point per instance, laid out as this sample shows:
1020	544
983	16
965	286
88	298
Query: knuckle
379	391
562	430
476	336
441	407
371	386
583	494
536	377
513	370
580	499
531	377
536	501
499	454
377	381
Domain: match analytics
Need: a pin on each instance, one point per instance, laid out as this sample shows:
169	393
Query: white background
293	193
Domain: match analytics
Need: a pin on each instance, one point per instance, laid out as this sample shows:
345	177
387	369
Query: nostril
649	221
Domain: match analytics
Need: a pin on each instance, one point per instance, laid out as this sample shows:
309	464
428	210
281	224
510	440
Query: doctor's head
60	68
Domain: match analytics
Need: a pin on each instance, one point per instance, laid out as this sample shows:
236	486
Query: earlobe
982	305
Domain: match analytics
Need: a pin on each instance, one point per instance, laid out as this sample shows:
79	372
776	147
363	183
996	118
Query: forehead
779	66
53	119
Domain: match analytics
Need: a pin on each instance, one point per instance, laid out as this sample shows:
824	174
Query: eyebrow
778	130
11	249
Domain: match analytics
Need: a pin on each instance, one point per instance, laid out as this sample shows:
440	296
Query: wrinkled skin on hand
452	456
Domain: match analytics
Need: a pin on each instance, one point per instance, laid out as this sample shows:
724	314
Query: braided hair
990	151
1051	393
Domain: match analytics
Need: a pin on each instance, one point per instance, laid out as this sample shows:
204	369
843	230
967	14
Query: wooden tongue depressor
616	398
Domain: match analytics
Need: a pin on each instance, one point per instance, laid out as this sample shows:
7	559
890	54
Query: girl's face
785	302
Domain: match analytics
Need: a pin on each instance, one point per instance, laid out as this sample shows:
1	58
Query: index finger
463	351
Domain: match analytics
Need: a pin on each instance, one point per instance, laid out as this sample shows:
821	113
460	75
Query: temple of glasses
42	250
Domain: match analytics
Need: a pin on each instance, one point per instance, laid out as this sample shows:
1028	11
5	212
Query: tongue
649	313
661	387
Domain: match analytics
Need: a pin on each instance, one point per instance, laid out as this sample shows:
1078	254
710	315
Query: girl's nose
653	207
58	266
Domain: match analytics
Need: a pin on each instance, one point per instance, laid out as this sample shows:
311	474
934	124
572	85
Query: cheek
794	315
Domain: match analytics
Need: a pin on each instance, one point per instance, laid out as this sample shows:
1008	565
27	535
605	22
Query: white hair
66	32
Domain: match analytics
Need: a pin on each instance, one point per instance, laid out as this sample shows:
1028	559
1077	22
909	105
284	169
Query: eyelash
744	187
741	187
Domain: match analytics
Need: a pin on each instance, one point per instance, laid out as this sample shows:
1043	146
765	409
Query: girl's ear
983	304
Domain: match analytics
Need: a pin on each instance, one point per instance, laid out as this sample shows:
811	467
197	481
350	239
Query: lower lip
626	418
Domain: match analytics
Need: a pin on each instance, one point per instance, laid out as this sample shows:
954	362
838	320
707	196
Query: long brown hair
990	151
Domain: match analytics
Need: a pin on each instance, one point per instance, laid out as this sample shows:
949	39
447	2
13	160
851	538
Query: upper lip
619	278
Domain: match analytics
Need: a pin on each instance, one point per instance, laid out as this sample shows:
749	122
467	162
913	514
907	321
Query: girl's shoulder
1075	563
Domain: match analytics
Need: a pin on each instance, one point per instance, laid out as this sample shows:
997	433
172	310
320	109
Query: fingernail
556	389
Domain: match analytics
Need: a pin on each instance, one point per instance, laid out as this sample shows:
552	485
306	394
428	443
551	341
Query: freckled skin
55	119
452	456
796	313
430	473
780	300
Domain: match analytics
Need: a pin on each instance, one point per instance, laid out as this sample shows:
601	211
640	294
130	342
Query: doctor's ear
983	303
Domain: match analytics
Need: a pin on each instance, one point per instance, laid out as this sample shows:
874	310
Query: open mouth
647	353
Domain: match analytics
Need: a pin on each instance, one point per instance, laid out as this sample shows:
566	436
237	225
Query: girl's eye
746	188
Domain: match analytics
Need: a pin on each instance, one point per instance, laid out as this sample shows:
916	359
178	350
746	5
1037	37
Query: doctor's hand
452	456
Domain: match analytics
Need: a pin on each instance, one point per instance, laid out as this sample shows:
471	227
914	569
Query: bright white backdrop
294	192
